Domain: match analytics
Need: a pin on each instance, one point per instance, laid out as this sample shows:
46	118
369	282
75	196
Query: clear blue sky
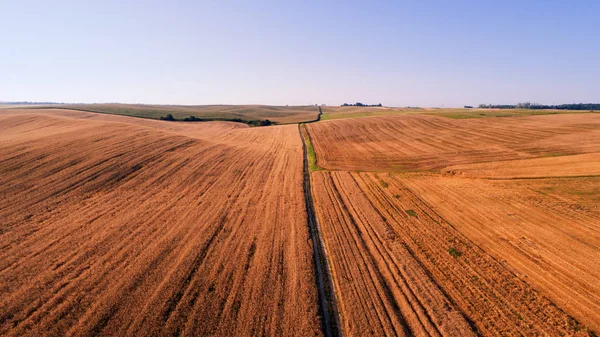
426	53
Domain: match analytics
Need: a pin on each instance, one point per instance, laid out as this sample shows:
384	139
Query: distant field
277	114
427	142
341	112
481	113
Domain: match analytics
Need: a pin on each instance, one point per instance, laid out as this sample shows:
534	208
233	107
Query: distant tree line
360	104
254	122
537	106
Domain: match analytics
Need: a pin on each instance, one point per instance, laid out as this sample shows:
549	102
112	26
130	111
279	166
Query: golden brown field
120	226
426	225
277	114
439	226
425	142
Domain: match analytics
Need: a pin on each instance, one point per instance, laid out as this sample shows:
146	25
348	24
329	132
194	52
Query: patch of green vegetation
170	118
555	154
312	155
412	213
454	252
383	184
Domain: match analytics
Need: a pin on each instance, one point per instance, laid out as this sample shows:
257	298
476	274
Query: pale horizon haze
398	53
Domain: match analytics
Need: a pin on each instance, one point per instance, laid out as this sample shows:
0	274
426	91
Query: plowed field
278	114
116	226
562	166
422	142
549	237
431	226
461	227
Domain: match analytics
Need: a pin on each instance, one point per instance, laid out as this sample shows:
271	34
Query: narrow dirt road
327	303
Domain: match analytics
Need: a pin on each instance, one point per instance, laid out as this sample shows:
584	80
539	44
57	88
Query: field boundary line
327	298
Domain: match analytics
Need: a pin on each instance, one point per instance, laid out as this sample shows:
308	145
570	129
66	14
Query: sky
398	53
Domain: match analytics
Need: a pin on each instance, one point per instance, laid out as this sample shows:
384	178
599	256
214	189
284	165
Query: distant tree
359	104
526	105
537	106
168	117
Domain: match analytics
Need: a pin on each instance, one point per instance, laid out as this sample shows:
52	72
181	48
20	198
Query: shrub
262	122
454	252
168	117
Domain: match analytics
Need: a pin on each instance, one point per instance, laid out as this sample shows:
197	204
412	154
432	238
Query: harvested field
554	166
424	142
278	114
342	112
549	237
490	112
401	268
117	226
112	225
485	226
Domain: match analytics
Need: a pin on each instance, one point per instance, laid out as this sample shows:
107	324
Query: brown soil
547	237
422	142
560	166
118	226
487	226
400	268
111	225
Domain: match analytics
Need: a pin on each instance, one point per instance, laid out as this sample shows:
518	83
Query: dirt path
328	306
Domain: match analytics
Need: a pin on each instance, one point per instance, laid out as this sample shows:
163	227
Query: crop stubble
447	251
116	226
422	142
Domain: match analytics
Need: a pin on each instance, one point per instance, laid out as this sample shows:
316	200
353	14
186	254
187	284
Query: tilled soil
116	226
402	269
438	226
423	142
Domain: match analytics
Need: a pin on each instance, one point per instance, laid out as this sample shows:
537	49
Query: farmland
425	142
343	112
277	114
485	226
427	223
121	226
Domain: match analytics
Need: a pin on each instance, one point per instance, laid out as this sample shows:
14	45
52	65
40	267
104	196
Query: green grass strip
312	156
